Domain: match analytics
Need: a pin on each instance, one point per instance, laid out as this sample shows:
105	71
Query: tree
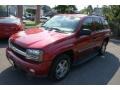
19	11
37	17
84	11
32	11
65	8
3	11
107	12
89	10
71	8
1	7
112	14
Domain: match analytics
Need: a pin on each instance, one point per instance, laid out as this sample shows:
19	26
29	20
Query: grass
30	24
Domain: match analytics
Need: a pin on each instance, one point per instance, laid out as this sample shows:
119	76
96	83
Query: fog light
32	70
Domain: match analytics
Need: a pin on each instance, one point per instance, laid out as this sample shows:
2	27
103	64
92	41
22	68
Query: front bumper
36	69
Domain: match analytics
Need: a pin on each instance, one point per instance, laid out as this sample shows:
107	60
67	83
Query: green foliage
32	11
65	8
87	10
2	7
112	14
84	11
3	11
90	9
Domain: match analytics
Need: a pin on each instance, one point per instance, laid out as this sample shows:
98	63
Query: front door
84	43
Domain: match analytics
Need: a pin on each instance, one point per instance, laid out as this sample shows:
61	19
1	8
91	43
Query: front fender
58	50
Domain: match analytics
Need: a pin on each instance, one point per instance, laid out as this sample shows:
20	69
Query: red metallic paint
8	29
53	44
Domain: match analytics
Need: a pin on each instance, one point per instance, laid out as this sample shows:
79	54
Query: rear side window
105	23
87	24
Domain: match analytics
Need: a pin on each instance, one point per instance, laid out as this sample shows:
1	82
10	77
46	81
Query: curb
114	40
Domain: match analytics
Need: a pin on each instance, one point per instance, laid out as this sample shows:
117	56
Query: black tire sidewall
52	74
101	52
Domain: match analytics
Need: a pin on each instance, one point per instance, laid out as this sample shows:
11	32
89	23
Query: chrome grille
17	49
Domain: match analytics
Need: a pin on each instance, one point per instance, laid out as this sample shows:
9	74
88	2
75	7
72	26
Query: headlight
35	55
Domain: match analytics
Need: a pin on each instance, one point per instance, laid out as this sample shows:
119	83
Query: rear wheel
60	68
103	48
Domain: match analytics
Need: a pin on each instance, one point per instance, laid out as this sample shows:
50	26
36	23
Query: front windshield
63	23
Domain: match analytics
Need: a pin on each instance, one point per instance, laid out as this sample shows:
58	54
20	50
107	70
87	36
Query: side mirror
85	32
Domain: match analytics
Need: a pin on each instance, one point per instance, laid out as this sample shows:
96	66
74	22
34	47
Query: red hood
37	38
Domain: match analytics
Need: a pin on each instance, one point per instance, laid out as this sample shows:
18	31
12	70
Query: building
44	11
12	9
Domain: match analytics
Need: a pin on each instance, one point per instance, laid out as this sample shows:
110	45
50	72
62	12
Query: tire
60	68
103	48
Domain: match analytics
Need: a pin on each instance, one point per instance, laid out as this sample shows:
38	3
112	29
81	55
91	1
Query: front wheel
60	68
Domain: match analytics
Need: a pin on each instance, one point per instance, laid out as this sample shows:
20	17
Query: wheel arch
70	53
107	39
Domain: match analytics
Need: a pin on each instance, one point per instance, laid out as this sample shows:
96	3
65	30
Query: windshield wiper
47	28
57	29
53	28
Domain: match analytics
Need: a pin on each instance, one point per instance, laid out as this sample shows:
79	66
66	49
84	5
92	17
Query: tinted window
97	23
105	23
87	24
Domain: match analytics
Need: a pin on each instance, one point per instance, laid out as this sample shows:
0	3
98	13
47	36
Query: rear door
98	32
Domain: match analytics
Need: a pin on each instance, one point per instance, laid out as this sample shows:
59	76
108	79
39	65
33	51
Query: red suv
63	41
9	25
